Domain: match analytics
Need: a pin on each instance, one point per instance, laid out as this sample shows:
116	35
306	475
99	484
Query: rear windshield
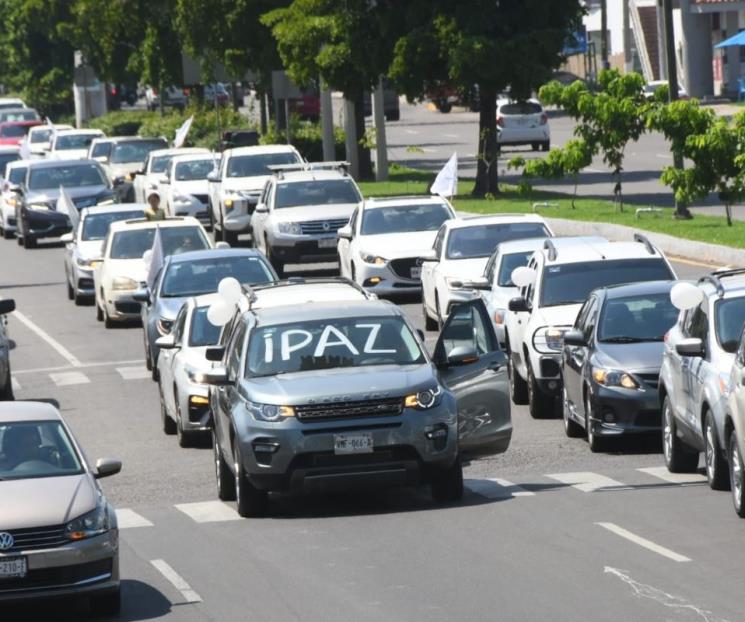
194	169
96	226
133	244
254	165
729	318
508	265
19	115
203	332
72	176
404	218
192	278
17	174
14	131
135	151
32	449
481	240
521	108
322	192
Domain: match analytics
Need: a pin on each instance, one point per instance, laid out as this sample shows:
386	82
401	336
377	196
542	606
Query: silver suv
345	396
694	379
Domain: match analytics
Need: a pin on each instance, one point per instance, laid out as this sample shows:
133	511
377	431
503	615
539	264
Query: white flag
65	205
157	258
446	182
182	132
25	151
49	122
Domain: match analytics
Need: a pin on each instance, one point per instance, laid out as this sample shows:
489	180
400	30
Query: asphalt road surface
547	531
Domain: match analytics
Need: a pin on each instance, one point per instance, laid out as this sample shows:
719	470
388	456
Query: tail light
544	118
500	121
113	90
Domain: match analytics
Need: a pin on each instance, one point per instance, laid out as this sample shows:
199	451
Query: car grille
59	577
82	202
317	227
402	267
128	307
653	380
37	538
202	198
343	410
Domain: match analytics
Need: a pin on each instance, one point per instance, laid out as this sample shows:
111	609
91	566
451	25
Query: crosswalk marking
15	384
63	379
497	488
208	512
674	478
129	519
133	373
585	481
189	595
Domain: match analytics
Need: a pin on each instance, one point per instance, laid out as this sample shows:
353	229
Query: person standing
154	211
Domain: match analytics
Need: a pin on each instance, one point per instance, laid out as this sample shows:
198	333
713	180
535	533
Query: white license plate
416	273
327	243
353	443
13	567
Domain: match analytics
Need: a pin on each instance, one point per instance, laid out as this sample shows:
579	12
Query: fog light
609	416
266	448
552	384
439	436
373	280
439	433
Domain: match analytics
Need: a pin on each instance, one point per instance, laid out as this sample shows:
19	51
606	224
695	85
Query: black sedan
611	362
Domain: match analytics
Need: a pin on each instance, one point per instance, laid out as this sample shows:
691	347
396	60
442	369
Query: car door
226	395
696	368
737	387
427	275
478	379
169	361
575	357
489	276
346	247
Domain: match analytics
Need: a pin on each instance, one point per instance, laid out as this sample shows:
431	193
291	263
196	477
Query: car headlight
293	228
94	523
39	206
269	412
373	259
88	263
613	378
423	400
123	282
164	325
549	339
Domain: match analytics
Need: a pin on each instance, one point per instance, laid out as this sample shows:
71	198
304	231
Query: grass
712	229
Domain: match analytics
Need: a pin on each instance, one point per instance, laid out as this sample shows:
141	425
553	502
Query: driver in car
21	444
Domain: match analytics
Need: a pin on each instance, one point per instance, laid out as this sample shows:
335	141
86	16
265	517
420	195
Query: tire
29	242
540	405
231	237
717	471
429	323
70	291
447	484
444	107
250	502
571	428
168	424
546	146
107	321
186	439
393	115
518	386
99	312
279	266
223	477
737	474
678	457
7	234
596	443
6	393
535	146
108	604
78	300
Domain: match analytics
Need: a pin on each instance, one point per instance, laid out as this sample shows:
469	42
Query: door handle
494	366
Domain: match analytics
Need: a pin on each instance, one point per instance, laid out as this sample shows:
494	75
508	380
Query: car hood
69	154
564	315
248	184
397	245
645	356
52	194
197	186
168	308
91	249
308	213
123	168
465	268
46	501
340	385
132	268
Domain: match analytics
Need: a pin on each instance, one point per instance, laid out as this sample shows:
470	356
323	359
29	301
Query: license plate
327	243
353	443
416	273
13	567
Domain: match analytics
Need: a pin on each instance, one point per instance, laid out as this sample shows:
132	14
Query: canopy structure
738	39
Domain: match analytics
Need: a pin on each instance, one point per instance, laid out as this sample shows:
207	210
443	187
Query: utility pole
381	145
604	34
327	122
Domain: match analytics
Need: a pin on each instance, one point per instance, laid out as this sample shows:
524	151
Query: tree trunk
728	211
486	168
161	105
263	121
363	153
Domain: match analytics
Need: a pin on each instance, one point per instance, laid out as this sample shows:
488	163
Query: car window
6	158
255	165
135	150
101	150
438	242
13	131
73	141
235	350
96	226
481	240
353	220
160	163
179	324
195	277
17	174
590	320
193	170
508	265
202	332
70	176
489	269
582	315
320	192
40	136
640	318
699	325
729	316
466	328
404	218
34	449
521	108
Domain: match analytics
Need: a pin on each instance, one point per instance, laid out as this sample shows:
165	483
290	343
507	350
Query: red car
13	132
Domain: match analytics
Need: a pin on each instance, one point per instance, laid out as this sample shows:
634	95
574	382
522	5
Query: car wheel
185	438
546	146
7	234
571	428
535	146
278	265
447	484
168	424
250	501
678	457
737	474
99	312
717	472
540	405
106	604
29	242
429	323
78	300
107	321
223	476
595	442
518	386
70	290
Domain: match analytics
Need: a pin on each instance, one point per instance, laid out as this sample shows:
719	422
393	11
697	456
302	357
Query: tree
495	45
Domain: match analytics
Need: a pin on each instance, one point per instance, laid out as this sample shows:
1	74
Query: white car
84	246
184	189
300	211
123	270
380	247
561	276
15	174
459	254
11	103
100	148
523	123
39	138
174	97
155	166
125	160
235	187
72	144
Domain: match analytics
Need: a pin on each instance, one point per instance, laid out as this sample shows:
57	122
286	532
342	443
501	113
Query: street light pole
604	34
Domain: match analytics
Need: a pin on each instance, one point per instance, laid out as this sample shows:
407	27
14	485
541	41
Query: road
546	531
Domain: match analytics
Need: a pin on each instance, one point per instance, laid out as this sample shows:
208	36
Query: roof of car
73	132
137	139
215	252
723	281
311	175
294	292
314	311
189	157
205	300
594	248
112	208
23	122
178	151
375	202
57	163
492	219
18	163
638	289
141	223
259	150
518	246
27	411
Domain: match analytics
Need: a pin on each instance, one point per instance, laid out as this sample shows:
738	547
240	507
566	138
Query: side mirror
142	295
462	355
106	467
430	255
7	305
217	377
213	177
261	208
214	354
66	238
166	342
574	338
15	188
518	305
420	332
345	233
101	159
477	283
690	347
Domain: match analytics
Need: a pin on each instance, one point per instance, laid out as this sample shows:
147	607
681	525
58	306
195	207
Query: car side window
353	221
438	242
580	321
590	320
467	327
269	196
699	323
489	270
235	350
178	326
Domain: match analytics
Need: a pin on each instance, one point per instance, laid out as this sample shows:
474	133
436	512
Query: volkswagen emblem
6	541
326	226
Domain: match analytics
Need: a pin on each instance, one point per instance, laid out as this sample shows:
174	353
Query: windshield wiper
629	339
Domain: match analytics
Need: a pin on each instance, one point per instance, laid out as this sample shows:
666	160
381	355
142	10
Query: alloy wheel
709	453
736	461
667	433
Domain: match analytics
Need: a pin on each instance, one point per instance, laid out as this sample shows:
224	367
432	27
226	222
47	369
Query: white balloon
147	256
230	289
523	276
685	295
219	313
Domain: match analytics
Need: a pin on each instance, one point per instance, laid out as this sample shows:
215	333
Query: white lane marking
208	512
665	156
674	478
190	596
643	542
585	481
411	131
15	384
66	378
39	370
133	373
129	519
496	488
56	345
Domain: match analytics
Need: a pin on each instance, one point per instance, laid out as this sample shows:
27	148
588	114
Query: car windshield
253	165
404	218
202	332
509	263
160	163
14	131
40	136
481	240
19	115
17	174
636	318
70	176
331	343
73	141
101	150
729	319
194	169
96	226
30	449
192	278
571	283
6	158
322	192
133	244
135	150
520	108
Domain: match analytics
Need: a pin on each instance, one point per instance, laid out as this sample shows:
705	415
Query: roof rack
549	246
643	239
302	280
726	272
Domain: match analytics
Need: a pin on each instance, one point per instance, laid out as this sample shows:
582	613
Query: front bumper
624	411
121	306
547	372
194	418
304	248
84	281
45	223
194	208
382	279
524	136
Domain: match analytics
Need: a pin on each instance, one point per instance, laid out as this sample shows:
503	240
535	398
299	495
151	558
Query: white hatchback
184	189
15	173
523	123
72	144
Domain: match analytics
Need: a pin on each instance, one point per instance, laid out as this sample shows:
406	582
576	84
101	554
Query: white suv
554	285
